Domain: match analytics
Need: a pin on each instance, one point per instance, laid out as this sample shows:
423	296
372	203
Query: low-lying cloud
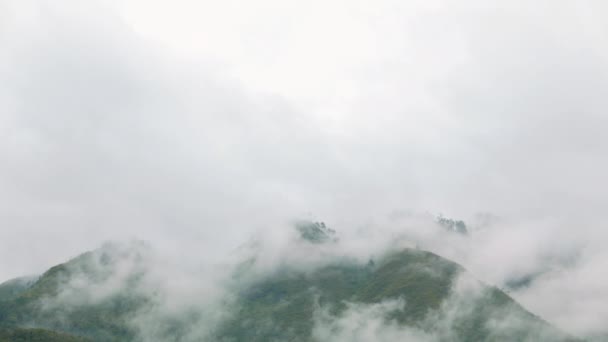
376	119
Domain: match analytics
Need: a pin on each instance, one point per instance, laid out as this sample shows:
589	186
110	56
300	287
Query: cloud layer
195	124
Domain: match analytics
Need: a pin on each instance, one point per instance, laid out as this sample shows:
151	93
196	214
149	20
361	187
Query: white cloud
192	124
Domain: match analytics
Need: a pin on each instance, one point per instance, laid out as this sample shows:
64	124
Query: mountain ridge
284	304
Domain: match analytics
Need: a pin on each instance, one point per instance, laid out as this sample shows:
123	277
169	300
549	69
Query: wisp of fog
203	129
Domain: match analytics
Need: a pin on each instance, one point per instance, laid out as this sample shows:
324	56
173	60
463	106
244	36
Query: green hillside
103	321
282	307
36	335
285	305
14	287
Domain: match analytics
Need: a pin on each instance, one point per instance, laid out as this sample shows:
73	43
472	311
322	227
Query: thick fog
198	126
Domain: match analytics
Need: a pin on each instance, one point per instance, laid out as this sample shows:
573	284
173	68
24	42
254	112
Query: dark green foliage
315	232
457	226
100	321
422	278
282	306
36	335
14	287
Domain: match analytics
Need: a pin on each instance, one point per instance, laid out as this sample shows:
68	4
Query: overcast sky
191	124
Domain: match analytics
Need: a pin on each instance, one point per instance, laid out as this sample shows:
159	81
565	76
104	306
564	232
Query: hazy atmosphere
199	129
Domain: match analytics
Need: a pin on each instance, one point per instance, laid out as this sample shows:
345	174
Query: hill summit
407	294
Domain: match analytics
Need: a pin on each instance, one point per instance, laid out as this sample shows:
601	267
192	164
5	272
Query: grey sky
191	124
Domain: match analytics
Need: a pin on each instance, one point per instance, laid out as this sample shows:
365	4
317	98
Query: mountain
46	304
36	335
282	306
315	232
407	292
14	287
457	226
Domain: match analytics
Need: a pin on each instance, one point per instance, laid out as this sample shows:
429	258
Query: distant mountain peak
457	226
315	232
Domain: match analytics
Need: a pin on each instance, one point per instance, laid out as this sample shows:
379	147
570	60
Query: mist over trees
206	130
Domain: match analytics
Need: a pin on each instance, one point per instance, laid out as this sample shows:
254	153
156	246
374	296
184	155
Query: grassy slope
35	335
101	322
281	307
13	288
